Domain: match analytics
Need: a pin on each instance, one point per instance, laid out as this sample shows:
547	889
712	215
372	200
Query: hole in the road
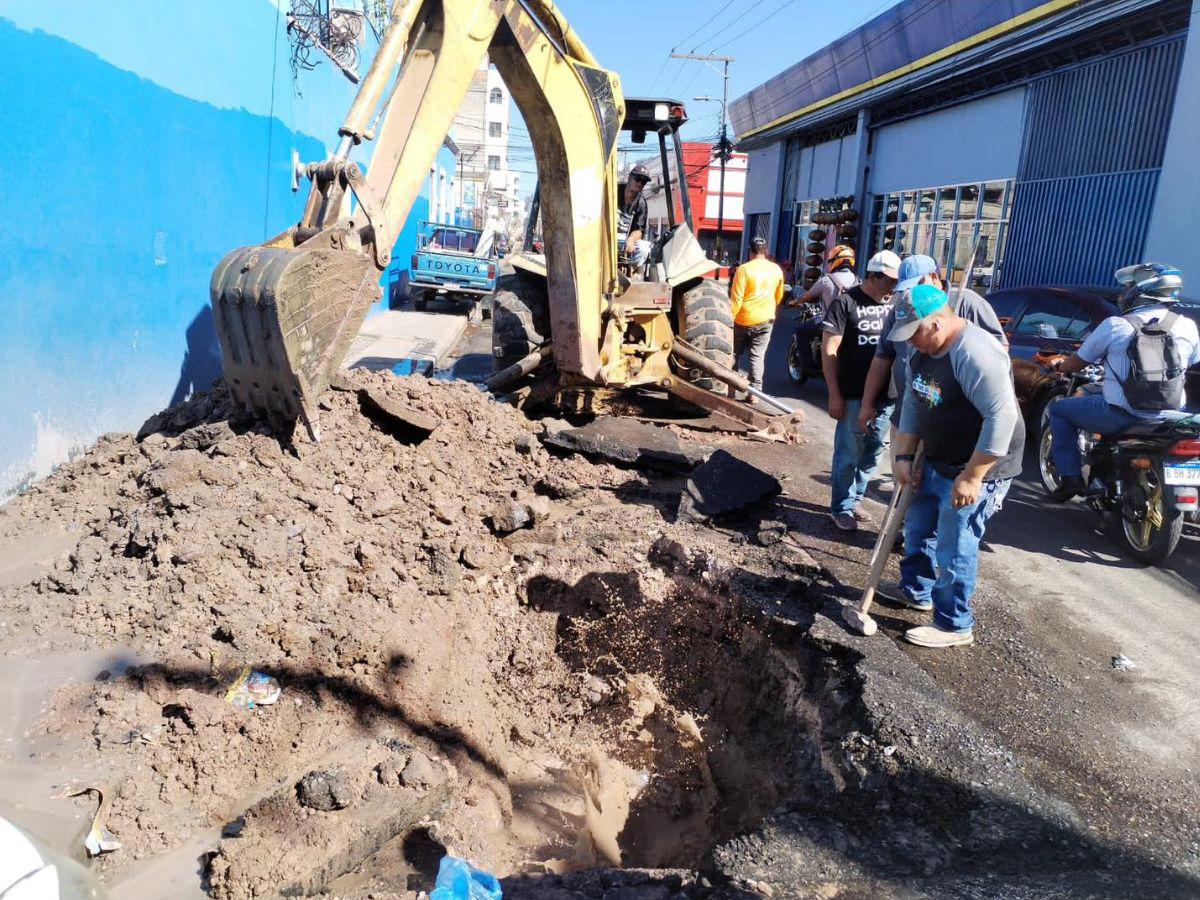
713	723
422	852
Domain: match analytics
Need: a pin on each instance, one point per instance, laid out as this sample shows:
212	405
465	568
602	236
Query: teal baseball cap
922	301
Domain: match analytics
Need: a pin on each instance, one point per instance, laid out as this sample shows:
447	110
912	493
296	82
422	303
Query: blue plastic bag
458	880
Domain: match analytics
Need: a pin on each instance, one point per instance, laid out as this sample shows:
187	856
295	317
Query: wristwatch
905	457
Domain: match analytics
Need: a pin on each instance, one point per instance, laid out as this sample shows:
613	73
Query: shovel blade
285	318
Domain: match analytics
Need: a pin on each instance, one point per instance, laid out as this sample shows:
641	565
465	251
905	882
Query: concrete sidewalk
405	342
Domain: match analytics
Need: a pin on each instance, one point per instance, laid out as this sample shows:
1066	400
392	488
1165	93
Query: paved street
1057	601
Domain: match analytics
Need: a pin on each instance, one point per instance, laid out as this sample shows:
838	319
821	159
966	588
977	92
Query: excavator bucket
285	318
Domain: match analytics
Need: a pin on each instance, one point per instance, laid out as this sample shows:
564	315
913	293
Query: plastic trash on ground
98	839
458	880
250	689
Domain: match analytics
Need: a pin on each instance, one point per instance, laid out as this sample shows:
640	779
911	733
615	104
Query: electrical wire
918	13
271	121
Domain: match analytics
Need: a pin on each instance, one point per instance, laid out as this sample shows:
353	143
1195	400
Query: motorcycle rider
829	287
1145	311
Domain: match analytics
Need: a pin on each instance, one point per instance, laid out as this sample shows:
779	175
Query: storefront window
945	223
947	204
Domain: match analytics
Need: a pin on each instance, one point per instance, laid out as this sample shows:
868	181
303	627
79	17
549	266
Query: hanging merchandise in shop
820	226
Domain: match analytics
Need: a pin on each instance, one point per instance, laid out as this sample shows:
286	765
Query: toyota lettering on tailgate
443	266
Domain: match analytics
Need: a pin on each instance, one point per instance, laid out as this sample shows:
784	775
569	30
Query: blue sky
635	38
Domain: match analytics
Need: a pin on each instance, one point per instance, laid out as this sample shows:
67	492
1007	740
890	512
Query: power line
870	45
757	24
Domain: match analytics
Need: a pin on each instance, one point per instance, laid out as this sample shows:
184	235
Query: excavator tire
705	320
520	318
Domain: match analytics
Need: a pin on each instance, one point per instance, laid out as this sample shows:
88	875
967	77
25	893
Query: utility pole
723	148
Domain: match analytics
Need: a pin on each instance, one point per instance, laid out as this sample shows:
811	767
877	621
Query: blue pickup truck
454	262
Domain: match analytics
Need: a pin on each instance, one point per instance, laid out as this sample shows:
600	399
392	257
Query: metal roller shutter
1090	158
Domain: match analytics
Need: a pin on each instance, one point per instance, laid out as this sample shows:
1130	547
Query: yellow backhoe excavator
286	311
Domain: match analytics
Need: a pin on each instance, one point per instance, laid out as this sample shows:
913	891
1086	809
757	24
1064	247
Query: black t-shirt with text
859	320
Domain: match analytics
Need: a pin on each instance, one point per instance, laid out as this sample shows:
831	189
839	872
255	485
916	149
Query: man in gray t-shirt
889	370
960	405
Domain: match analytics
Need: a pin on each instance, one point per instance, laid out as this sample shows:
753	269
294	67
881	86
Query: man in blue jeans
852	329
961	406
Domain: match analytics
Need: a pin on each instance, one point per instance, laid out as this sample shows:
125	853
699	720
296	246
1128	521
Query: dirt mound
468	631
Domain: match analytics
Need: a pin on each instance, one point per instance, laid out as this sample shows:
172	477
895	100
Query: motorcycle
1143	483
804	353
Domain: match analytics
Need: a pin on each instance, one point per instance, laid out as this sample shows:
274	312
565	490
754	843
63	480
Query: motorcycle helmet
840	257
1148	284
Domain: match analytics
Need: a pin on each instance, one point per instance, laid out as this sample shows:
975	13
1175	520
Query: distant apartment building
486	187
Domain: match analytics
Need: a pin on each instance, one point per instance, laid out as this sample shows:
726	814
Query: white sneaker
938	637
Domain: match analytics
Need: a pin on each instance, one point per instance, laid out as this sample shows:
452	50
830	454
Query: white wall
975	141
826	170
1176	218
762	179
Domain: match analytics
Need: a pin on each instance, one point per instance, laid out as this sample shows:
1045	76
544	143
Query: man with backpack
1146	352
829	287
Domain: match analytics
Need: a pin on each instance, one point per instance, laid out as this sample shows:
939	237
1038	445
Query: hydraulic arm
286	311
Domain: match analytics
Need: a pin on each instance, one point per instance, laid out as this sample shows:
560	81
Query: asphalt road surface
1057	601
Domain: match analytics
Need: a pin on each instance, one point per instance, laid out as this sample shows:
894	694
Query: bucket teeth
285	319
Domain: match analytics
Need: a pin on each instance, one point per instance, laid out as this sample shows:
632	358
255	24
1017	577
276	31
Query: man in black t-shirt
632	218
852	329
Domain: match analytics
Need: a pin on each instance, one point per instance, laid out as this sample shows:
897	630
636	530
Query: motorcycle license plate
1182	473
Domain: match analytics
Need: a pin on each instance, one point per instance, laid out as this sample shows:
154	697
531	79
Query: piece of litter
1123	663
457	879
251	689
98	838
142	735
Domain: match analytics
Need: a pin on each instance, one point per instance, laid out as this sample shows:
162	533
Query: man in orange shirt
757	290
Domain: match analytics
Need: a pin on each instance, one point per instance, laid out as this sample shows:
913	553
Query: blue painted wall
145	139
1175	222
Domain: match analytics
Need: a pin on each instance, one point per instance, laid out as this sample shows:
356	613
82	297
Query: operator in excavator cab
631	225
1146	351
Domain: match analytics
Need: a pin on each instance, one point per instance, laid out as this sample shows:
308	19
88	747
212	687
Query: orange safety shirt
757	290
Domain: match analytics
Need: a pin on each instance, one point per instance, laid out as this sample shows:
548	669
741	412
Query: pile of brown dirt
482	647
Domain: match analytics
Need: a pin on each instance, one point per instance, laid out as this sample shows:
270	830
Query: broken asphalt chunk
629	442
723	486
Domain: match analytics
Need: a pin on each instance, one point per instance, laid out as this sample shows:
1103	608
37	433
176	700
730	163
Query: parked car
1045	321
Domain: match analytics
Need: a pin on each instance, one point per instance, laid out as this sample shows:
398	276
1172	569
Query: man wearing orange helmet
839	279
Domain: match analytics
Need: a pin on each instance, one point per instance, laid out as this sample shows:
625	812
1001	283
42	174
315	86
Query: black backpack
1156	373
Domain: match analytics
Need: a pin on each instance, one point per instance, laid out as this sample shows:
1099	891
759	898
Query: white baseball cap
885	261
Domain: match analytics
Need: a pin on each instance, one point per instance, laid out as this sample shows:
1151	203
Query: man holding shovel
960	405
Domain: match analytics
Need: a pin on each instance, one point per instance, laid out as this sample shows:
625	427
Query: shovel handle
902	499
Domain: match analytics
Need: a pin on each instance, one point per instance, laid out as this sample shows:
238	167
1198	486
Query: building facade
158	137
710	217
487	187
1056	137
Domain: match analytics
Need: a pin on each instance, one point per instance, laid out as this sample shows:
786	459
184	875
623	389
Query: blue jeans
856	456
941	546
1072	415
